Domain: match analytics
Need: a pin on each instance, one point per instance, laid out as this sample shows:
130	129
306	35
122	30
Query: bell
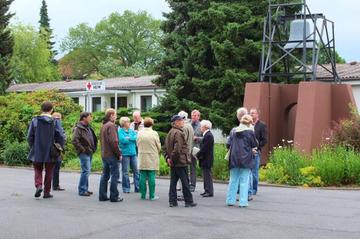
297	34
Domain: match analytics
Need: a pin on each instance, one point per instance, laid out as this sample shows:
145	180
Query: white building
130	92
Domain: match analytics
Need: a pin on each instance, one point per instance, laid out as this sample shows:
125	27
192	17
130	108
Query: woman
56	184
242	145
206	157
127	143
149	146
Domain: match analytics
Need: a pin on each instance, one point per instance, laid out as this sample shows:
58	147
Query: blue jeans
85	163
110	169
239	179
254	176
132	161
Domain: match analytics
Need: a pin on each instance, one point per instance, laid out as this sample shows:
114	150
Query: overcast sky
68	13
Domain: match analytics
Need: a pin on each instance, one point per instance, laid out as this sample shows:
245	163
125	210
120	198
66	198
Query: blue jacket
127	142
42	133
241	142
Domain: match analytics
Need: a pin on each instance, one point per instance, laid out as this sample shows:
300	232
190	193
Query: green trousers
150	176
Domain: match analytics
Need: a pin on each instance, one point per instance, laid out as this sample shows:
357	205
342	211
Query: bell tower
293	40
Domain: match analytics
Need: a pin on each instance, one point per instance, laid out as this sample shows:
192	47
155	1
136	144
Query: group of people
136	146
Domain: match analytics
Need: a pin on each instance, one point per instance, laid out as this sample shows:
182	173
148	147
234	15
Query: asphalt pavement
274	213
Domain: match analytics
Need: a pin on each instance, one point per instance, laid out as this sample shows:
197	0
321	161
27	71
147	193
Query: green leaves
130	40
212	49
30	61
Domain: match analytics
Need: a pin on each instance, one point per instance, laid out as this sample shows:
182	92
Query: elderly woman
242	145
127	143
206	157
149	146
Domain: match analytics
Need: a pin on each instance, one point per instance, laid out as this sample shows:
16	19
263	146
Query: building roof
346	72
119	83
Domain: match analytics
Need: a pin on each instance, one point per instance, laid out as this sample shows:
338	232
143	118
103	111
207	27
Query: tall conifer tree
6	45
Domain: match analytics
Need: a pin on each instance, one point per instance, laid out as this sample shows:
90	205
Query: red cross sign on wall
89	86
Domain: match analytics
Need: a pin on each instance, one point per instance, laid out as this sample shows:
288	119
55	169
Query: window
96	104
146	103
76	100
121	102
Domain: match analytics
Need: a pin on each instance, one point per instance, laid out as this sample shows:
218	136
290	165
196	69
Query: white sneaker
155	198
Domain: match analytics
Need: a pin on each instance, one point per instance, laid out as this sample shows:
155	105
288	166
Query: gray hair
183	114
123	120
242	111
136	113
206	123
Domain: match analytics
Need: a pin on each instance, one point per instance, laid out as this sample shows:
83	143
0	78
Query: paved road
275	213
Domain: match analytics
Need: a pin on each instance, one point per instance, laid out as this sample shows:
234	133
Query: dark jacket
42	134
260	134
84	139
176	148
109	141
206	153
241	142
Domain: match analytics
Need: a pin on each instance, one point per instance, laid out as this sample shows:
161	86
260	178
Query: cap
176	117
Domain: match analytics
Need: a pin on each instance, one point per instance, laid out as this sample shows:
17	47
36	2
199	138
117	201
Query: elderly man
241	112
189	138
178	158
138	123
206	157
198	135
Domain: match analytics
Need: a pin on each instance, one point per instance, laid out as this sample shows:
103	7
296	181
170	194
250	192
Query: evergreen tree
212	48
6	45
45	29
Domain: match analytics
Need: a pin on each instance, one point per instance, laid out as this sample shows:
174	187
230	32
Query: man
240	113
138	123
85	143
111	157
198	135
261	137
56	175
178	158
42	135
189	139
206	157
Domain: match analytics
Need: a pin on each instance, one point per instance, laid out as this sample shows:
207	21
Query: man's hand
120	158
169	162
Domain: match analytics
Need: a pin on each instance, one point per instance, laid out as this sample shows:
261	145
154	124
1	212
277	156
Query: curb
263	184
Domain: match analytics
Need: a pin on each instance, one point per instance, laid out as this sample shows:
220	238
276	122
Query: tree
212	48
30	59
45	29
129	39
6	45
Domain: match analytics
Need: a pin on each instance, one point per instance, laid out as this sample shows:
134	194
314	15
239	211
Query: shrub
221	166
330	165
347	132
288	162
275	174
15	154
310	178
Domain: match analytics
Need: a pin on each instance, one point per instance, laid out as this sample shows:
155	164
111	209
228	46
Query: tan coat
148	143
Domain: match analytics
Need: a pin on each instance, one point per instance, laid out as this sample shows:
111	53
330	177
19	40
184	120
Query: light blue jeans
132	162
239	180
85	163
254	176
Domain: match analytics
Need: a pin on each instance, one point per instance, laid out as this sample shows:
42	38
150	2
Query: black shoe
173	204
58	188
180	198
85	194
48	196
202	194
192	189
250	198
38	192
89	192
190	204
208	195
117	200
104	200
